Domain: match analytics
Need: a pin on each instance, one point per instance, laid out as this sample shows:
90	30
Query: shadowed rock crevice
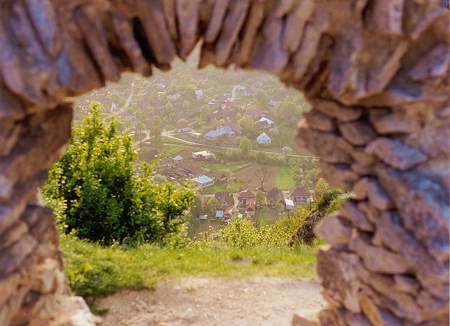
375	71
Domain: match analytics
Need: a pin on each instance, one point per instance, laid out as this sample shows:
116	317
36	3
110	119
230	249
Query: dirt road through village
211	301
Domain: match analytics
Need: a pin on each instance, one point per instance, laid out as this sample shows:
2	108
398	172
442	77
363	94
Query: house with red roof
300	195
247	202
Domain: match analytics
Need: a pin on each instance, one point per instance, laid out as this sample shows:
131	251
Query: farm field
225	186
228	167
285	178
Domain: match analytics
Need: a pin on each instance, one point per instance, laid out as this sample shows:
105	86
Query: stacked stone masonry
375	71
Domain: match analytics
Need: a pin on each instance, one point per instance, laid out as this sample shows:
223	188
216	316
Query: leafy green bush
103	195
240	233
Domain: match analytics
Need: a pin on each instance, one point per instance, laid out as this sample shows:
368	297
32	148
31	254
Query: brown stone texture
375	71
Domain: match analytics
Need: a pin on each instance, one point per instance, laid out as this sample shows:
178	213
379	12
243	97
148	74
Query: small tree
260	198
156	130
248	125
288	112
212	205
197	207
107	197
321	188
262	172
245	145
169	111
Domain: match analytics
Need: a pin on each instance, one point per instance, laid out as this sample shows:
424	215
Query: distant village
242	203
200	117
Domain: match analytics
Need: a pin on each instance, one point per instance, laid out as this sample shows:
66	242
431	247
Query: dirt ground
208	301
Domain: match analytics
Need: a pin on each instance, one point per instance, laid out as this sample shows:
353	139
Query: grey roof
203	179
263	138
220	132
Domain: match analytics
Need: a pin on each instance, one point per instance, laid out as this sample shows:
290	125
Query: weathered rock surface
375	72
395	153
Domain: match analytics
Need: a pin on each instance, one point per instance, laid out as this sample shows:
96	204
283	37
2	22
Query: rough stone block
338	274
395	122
333	230
370	188
378	259
335	110
319	121
339	175
395	153
406	284
377	315
321	143
12	257
394	236
357	133
423	205
355	216
13	234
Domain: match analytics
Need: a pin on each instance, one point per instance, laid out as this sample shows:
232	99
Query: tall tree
247	125
262	173
156	130
245	145
260	198
211	206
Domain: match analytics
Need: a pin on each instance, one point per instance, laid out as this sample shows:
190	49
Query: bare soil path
211	301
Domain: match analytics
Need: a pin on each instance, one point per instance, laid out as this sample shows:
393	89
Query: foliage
248	126
156	130
260	198
106	197
229	167
242	233
320	189
305	171
245	145
196	207
95	270
211	205
326	203
261	98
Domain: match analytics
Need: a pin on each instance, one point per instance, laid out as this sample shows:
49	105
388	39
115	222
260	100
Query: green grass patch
96	271
230	186
285	178
229	167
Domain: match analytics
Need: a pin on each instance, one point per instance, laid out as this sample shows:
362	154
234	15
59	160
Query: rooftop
299	191
202	153
263	138
220	132
266	120
203	179
246	194
289	203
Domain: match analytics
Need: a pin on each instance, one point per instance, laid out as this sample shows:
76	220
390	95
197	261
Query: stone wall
375	71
